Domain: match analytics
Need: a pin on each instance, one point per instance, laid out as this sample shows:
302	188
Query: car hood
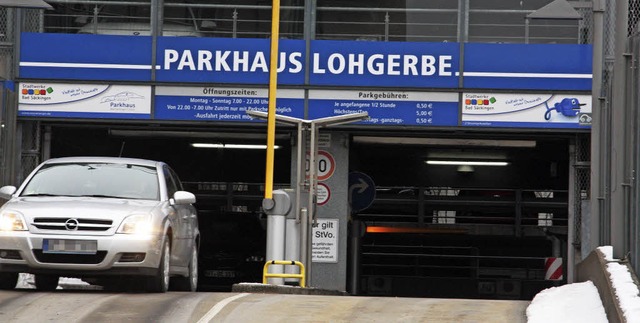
79	207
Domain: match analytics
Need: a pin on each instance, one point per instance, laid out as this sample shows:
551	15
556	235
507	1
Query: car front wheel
189	283
160	282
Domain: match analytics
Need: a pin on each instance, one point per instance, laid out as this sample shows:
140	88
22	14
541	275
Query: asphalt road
98	306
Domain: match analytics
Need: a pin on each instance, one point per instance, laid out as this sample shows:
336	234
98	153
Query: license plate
220	273
87	247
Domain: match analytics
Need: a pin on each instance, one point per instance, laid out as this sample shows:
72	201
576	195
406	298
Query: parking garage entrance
432	230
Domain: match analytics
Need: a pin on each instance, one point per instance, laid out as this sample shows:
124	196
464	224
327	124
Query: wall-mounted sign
56	100
362	191
324	240
222	104
323	193
85	57
387	108
332	63
528	66
526	110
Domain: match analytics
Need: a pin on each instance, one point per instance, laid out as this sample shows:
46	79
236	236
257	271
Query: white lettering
259	62
241	61
294	58
316	64
356	63
282	62
410	62
428	65
204	60
186	60
170	56
393	64
221	61
332	63
444	65
373	67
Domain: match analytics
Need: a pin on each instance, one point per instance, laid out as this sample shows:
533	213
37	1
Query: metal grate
583	148
634	16
30	147
582	185
383	20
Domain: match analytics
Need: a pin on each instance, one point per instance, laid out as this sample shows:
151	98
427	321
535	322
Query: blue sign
528	66
332	63
362	191
222	104
409	64
227	60
85	57
387	108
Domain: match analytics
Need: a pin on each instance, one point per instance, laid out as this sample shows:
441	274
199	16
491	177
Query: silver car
107	220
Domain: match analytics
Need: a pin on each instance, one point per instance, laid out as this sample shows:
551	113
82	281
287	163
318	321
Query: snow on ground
580	302
626	290
27	281
569	303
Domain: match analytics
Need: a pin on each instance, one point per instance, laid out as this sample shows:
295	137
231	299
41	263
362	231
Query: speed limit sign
326	165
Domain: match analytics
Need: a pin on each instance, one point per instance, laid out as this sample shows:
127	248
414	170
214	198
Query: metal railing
415	24
463	206
266	274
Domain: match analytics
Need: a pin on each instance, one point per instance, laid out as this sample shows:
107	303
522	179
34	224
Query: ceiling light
465	169
467	162
230	146
445	142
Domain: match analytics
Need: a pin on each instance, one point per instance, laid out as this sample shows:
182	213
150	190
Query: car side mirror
183	197
6	192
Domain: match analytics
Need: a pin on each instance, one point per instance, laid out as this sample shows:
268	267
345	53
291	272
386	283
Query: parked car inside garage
106	220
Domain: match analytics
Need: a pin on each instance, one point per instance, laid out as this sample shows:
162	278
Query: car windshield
106	180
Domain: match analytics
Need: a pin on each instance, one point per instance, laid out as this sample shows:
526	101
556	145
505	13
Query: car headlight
136	224
12	221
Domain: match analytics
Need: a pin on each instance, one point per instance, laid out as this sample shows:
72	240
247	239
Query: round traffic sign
326	165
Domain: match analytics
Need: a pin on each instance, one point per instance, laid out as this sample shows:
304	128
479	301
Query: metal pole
386	26
571	217
313	154
619	133
273	81
592	240
235	23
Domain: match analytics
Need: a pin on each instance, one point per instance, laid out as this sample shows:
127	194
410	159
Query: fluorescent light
467	162
230	146
445	142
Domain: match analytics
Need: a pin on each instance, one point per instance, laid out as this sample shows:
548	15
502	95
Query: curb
283	289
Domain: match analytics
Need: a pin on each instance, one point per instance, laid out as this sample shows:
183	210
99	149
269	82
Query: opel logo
71	224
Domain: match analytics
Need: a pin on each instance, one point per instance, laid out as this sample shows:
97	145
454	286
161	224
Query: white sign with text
324	244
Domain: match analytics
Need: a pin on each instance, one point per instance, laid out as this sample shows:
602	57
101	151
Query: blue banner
85	57
353	63
528	66
222	104
227	60
332	63
390	108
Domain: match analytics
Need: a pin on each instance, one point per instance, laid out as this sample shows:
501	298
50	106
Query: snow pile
579	303
624	287
26	281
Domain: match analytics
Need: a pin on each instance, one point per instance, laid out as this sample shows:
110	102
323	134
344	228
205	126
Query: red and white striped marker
553	268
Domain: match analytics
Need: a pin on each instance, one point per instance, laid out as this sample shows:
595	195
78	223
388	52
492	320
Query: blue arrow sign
362	191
